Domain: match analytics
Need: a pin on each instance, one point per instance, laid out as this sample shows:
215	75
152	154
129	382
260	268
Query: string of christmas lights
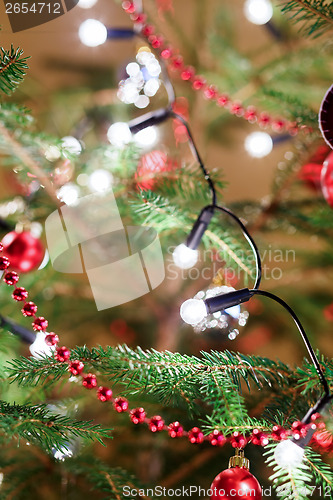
189	74
46	345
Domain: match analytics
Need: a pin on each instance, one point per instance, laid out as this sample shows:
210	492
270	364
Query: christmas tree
146	323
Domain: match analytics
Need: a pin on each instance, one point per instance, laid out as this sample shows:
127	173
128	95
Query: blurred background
272	182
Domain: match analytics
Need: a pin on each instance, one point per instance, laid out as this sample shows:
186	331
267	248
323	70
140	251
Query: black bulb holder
26	335
200	227
149	119
120	33
226	300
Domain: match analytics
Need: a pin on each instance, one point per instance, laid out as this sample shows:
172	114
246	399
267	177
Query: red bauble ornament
150	166
310	173
24	251
236	483
327	179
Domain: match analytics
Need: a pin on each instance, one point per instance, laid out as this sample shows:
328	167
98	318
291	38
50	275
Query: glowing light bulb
52	153
142	101
39	349
193	311
146	137
71	144
69	194
119	134
62	453
86	4
133	69
185	257
258	11
288	454
151	87
234	311
100	180
258	144
92	33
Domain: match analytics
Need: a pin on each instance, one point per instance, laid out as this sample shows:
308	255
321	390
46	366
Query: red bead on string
40	324
11	278
4	263
63	354
51	339
76	367
104	394
20	294
89	381
195	435
29	309
120	405
156	424
175	430
137	415
237	440
216	438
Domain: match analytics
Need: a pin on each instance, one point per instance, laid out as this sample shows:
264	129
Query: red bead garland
137	415
188	73
11	278
104	394
89	381
29	309
156	423
76	367
20	294
195	435
63	354
51	339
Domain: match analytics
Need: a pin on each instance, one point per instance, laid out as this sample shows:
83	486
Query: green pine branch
116	483
171	377
311	479
316	14
38	425
12	69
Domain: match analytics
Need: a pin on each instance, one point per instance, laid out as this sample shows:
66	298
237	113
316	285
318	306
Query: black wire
304	336
196	154
250	241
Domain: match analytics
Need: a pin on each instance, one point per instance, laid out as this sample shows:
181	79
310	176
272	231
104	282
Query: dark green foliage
316	14
38	425
12	69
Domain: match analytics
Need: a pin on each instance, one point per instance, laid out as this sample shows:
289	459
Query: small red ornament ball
24	251
236	483
327	179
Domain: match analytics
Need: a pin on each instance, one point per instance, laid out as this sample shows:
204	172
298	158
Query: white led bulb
193	311
185	257
288	454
